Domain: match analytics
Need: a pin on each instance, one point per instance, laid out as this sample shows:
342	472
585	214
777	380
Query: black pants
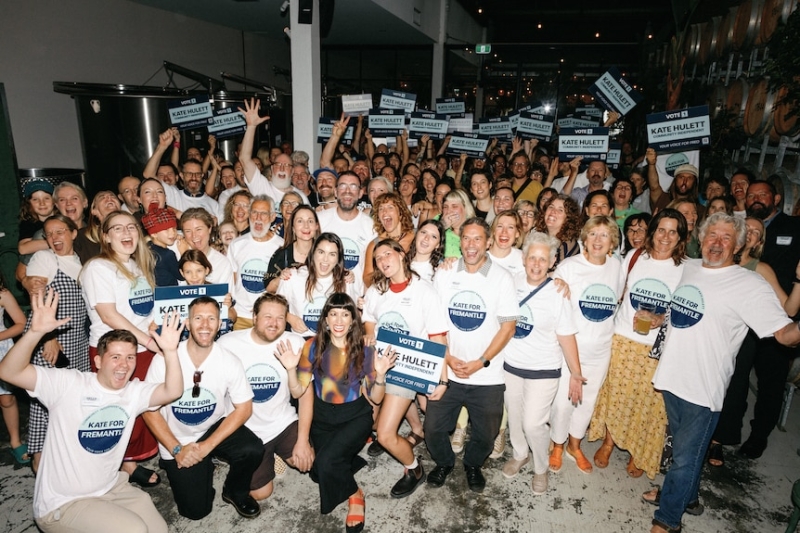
338	432
729	427
193	488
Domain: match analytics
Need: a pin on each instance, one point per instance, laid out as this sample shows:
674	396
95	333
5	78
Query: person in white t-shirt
274	419
506	240
707	324
79	486
197	224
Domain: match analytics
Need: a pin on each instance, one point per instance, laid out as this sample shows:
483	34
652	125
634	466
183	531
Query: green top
622	215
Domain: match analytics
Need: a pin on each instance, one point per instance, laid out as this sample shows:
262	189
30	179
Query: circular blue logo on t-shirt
194	411
651	291
140	297
688	306
252	274
103	429
352	252
674	161
524	323
597	303
311	313
467	310
264	380
393	321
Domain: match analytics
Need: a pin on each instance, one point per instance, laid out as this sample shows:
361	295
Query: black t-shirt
27	228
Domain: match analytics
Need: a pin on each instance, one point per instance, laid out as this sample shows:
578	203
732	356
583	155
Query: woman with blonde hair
456	209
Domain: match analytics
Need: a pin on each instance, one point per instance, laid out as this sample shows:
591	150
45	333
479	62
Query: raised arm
574	165
339	128
253	121
164	142
168	340
652	176
212	147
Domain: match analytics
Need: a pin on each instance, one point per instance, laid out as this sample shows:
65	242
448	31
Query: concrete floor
745	496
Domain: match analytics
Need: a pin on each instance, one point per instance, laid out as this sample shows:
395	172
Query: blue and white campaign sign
614	92
386	122
325	130
614	155
588	143
426	123
679	130
499	127
419	361
178	298
462	124
356	104
451	106
227	123
535	126
580	121
190	113
398	100
467	143
590	111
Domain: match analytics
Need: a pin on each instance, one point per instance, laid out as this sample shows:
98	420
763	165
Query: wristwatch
484	361
176	450
445	383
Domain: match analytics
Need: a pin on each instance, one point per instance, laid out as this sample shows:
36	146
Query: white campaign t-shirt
513	262
223	380
180	200
650	281
356	234
102	283
250	259
476	305
594	292
424	269
415	311
87	435
542	318
711	310
260	185
46	263
272	412
222	270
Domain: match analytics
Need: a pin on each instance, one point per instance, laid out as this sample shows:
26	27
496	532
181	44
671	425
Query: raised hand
171	330
340	126
384	362
288	357
166	138
44	306
250	112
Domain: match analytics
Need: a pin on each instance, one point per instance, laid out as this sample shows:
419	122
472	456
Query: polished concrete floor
745	496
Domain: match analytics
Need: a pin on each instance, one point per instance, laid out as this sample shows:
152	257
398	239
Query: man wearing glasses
194	428
525	187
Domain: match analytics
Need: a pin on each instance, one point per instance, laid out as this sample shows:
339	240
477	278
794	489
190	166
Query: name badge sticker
784	240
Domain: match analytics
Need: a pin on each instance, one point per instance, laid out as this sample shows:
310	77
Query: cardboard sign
535	126
190	113
499	127
467	143
227	123
178	298
590	111
325	130
463	124
397	100
679	130
451	106
581	121
614	92
426	123
588	143
356	104
614	155
386	122
419	361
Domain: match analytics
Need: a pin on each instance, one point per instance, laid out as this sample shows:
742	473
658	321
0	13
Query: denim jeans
692	426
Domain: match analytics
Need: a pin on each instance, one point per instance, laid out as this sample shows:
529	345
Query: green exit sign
483	48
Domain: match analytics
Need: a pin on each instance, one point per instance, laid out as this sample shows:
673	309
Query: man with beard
740	181
685	185
525	187
274	420
326	188
250	255
714	304
596	174
351	225
195	428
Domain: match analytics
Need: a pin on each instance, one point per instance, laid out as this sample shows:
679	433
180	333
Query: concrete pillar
437	71
306	83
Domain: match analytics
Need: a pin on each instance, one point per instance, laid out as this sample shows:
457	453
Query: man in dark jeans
193	429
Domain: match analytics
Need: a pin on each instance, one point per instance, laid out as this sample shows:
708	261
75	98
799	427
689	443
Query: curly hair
571	229
228	211
406	222
355	336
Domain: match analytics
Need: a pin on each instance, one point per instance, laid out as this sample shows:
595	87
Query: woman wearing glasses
118	287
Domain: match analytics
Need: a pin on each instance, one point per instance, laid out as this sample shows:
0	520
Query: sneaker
513	466
280	468
499	445
457	441
539	484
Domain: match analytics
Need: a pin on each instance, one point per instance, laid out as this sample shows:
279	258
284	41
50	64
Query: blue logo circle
524	323
103	429
252	275
352	252
598	302
311	313
194	411
467	310
674	161
688	306
140	297
393	321
264	380
651	291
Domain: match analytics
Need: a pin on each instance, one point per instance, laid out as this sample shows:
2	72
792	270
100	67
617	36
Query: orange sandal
633	470
583	463
602	455
358	499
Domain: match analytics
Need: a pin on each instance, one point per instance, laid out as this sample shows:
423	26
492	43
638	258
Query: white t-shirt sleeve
43	264
98	280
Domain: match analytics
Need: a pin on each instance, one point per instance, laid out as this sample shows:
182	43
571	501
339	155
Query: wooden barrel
708	42
770	17
757	117
788	7
725	33
746	26
717	99
736	99
784	124
691	43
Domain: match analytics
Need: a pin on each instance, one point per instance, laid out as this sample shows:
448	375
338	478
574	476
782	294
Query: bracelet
176	144
445	383
379	383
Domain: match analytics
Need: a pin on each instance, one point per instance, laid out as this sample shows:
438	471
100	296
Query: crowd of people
573	302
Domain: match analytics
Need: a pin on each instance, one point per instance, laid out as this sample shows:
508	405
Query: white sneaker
280	467
539	484
499	445
457	441
513	466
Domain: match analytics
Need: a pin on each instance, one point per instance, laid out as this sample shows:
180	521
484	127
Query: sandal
141	476
358	499
716	458
653	497
632	469
414	439
602	455
21	454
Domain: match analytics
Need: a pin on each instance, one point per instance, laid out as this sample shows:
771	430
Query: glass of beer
643	318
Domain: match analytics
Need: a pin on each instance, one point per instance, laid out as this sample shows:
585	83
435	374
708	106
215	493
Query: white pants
570	420
528	402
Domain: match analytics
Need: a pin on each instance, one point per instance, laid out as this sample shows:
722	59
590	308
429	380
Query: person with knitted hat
162	226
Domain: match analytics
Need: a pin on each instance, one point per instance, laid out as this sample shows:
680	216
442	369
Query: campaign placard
461	124
679	130
467	143
178	298
190	113
614	92
535	126
356	104
588	143
398	100
419	361
227	123
499	127
581	121
614	155
451	106
590	111
325	130
386	122
426	123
